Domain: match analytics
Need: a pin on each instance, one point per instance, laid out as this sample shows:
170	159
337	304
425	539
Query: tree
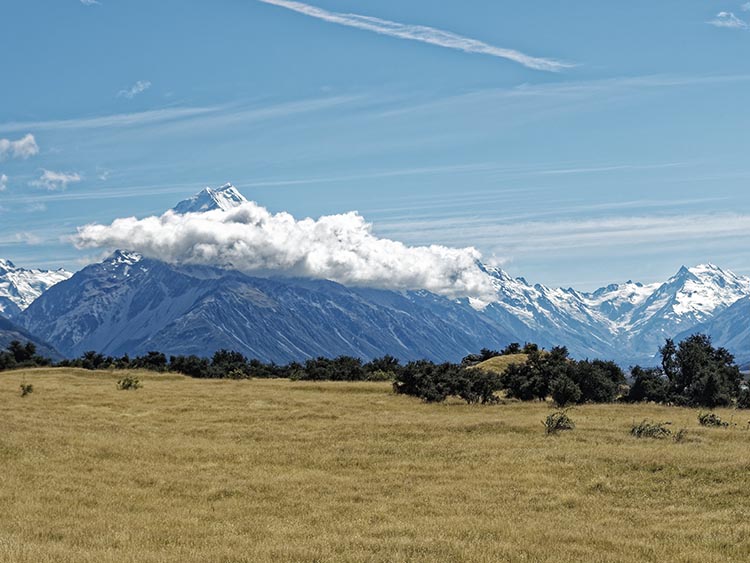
699	374
565	391
648	385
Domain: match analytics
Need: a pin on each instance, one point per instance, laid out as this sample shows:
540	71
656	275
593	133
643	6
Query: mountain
730	329
19	287
627	322
10	332
130	304
208	199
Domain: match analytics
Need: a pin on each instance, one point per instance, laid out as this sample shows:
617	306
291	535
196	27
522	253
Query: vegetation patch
558	422
129	383
26	389
651	429
712	420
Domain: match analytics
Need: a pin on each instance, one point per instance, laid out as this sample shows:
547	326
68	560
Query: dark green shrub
648	385
380	375
650	429
743	400
565	391
129	383
712	420
558	422
238	373
26	389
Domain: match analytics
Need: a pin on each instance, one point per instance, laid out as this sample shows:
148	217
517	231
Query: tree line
692	373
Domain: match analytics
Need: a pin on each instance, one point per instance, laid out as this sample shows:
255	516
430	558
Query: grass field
216	471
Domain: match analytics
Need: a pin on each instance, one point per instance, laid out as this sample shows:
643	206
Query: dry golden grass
499	364
229	471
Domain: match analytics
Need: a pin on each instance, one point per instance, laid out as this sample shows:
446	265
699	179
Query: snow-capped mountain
627	322
208	199
130	304
19	287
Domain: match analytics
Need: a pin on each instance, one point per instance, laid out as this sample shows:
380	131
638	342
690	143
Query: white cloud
421	33
90	2
137	88
729	20
22	148
337	247
746	7
52	181
3	182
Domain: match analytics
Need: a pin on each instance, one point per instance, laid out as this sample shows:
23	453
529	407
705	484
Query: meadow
186	470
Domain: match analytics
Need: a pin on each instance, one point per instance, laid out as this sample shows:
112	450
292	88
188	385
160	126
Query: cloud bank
422	34
251	239
23	148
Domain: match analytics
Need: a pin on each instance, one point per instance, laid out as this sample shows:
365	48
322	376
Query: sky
573	143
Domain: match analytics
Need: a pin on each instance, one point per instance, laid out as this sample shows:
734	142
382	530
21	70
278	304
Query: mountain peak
225	198
124	257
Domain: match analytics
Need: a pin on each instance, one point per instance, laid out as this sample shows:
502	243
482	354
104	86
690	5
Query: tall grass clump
651	429
557	422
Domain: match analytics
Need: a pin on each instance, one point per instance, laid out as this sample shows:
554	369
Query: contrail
422	33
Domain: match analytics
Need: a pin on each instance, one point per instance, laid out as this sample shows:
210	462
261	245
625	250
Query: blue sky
626	159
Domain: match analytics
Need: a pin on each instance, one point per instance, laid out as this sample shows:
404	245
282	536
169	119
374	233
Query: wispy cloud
137	88
729	20
90	2
3	182
114	120
23	148
51	180
422	34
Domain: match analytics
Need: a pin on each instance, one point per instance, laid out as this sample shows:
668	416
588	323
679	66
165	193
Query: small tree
565	391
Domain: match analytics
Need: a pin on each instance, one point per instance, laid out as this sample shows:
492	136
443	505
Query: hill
271	470
499	364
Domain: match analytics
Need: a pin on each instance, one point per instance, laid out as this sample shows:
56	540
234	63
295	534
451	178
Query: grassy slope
188	471
499	364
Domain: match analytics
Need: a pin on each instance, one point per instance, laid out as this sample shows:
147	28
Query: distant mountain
130	304
208	199
10	332
731	329
19	287
626	322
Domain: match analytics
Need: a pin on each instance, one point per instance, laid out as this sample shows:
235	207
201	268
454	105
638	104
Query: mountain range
132	304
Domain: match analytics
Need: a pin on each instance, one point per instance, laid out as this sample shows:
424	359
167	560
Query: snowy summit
208	199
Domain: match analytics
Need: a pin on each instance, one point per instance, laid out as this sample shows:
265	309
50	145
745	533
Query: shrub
743	401
26	389
476	386
650	429
712	420
380	375
129	383
557	422
648	385
238	373
565	391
